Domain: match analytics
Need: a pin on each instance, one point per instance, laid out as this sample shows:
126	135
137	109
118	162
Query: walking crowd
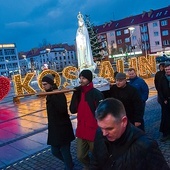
110	130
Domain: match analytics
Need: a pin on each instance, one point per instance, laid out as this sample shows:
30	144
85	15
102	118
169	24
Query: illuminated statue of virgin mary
84	52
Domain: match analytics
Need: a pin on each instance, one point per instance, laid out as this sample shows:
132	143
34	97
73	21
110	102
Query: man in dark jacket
60	131
119	145
84	102
130	98
164	95
141	87
139	84
158	76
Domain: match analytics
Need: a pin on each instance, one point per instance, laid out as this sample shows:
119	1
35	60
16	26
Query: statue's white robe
84	52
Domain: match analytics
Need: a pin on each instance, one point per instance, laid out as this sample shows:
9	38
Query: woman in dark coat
60	131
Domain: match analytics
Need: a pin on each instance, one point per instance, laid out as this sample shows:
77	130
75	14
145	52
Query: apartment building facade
9	63
150	34
54	57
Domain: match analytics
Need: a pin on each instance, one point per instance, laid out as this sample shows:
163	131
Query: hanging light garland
143	65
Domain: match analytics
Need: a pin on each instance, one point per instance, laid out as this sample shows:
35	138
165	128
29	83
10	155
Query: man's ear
124	121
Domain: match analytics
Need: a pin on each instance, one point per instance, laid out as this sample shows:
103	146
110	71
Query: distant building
150	34
56	56
9	63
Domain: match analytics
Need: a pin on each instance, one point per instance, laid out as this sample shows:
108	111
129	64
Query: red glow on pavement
6	114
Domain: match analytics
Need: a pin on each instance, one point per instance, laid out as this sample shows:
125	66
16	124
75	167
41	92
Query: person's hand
137	124
165	101
77	88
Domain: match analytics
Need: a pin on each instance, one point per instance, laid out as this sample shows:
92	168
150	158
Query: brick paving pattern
44	160
23	133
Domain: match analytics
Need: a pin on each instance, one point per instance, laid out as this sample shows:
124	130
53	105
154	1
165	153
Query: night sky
28	22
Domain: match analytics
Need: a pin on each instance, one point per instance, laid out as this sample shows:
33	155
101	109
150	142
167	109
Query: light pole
51	62
25	65
132	29
25	58
6	68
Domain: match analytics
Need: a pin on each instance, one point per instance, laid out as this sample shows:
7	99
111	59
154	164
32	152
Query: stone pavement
23	134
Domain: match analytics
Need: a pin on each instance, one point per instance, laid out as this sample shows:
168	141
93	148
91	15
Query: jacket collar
131	134
87	88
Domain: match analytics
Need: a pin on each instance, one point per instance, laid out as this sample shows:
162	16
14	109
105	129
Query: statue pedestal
101	84
102	87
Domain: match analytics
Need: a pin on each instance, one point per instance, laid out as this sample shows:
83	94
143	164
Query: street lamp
25	64
132	29
48	50
49	57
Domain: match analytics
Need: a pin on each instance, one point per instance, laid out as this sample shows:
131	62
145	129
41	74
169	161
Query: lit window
111	34
166	42
119	41
127	40
112	41
165	12
126	31
133	37
155	34
156	42
118	33
158	14
121	50
144	29
145	37
165	33
132	20
117	24
164	23
155	24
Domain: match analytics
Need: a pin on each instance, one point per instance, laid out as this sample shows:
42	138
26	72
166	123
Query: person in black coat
119	145
157	78
164	95
130	98
60	131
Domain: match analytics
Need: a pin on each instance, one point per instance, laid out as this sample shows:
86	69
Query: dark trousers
63	153
165	119
142	126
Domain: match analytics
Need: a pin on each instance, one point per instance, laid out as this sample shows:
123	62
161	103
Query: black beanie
87	74
49	79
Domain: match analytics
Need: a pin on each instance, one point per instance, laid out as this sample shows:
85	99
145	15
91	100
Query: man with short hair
164	94
130	98
139	84
141	87
84	102
119	145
